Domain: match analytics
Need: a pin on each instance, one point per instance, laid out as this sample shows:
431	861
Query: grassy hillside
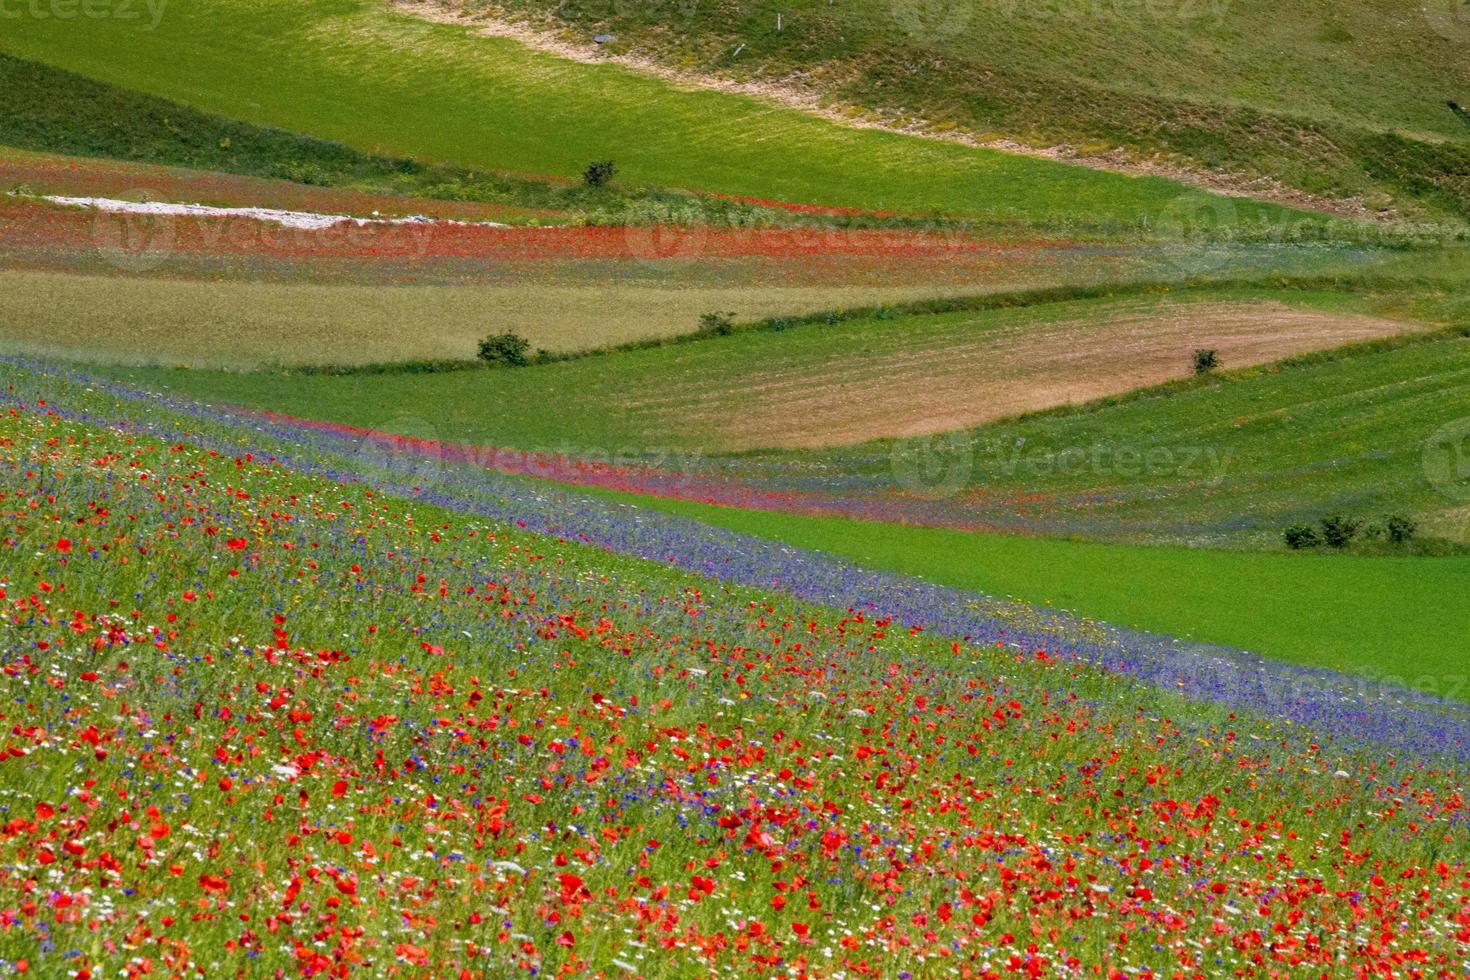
384	83
47	109
1340	612
1329	98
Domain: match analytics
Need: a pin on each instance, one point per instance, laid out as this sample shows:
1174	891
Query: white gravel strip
306	220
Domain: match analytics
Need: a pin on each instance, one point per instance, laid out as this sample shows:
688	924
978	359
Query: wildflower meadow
266	714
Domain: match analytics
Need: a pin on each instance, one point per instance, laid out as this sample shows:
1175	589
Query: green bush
717	324
1401	528
599	174
1206	359
1300	536
506	350
303	173
1339	529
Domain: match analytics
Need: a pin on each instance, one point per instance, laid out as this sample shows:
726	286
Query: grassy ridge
43	108
350	71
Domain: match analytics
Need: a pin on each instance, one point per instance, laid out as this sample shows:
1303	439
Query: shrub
1300	536
1401	528
1338	530
1206	359
599	174
717	324
506	349
302	173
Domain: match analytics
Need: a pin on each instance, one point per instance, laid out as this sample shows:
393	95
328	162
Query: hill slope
1332	99
293	693
353	72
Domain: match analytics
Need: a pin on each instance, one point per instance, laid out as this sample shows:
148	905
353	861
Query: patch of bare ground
977	374
804	94
49	173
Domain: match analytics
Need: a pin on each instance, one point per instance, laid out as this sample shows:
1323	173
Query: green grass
46	109
1336	99
352	72
1340	612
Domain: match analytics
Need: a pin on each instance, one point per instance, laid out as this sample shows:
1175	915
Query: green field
49	110
1230	461
381	82
1206	462
1226	462
1340	612
1236	461
1335	99
1343	611
715	394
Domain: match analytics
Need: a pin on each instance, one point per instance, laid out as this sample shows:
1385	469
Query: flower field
43	228
268	712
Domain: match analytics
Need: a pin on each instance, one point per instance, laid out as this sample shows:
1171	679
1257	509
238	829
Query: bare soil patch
975	374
